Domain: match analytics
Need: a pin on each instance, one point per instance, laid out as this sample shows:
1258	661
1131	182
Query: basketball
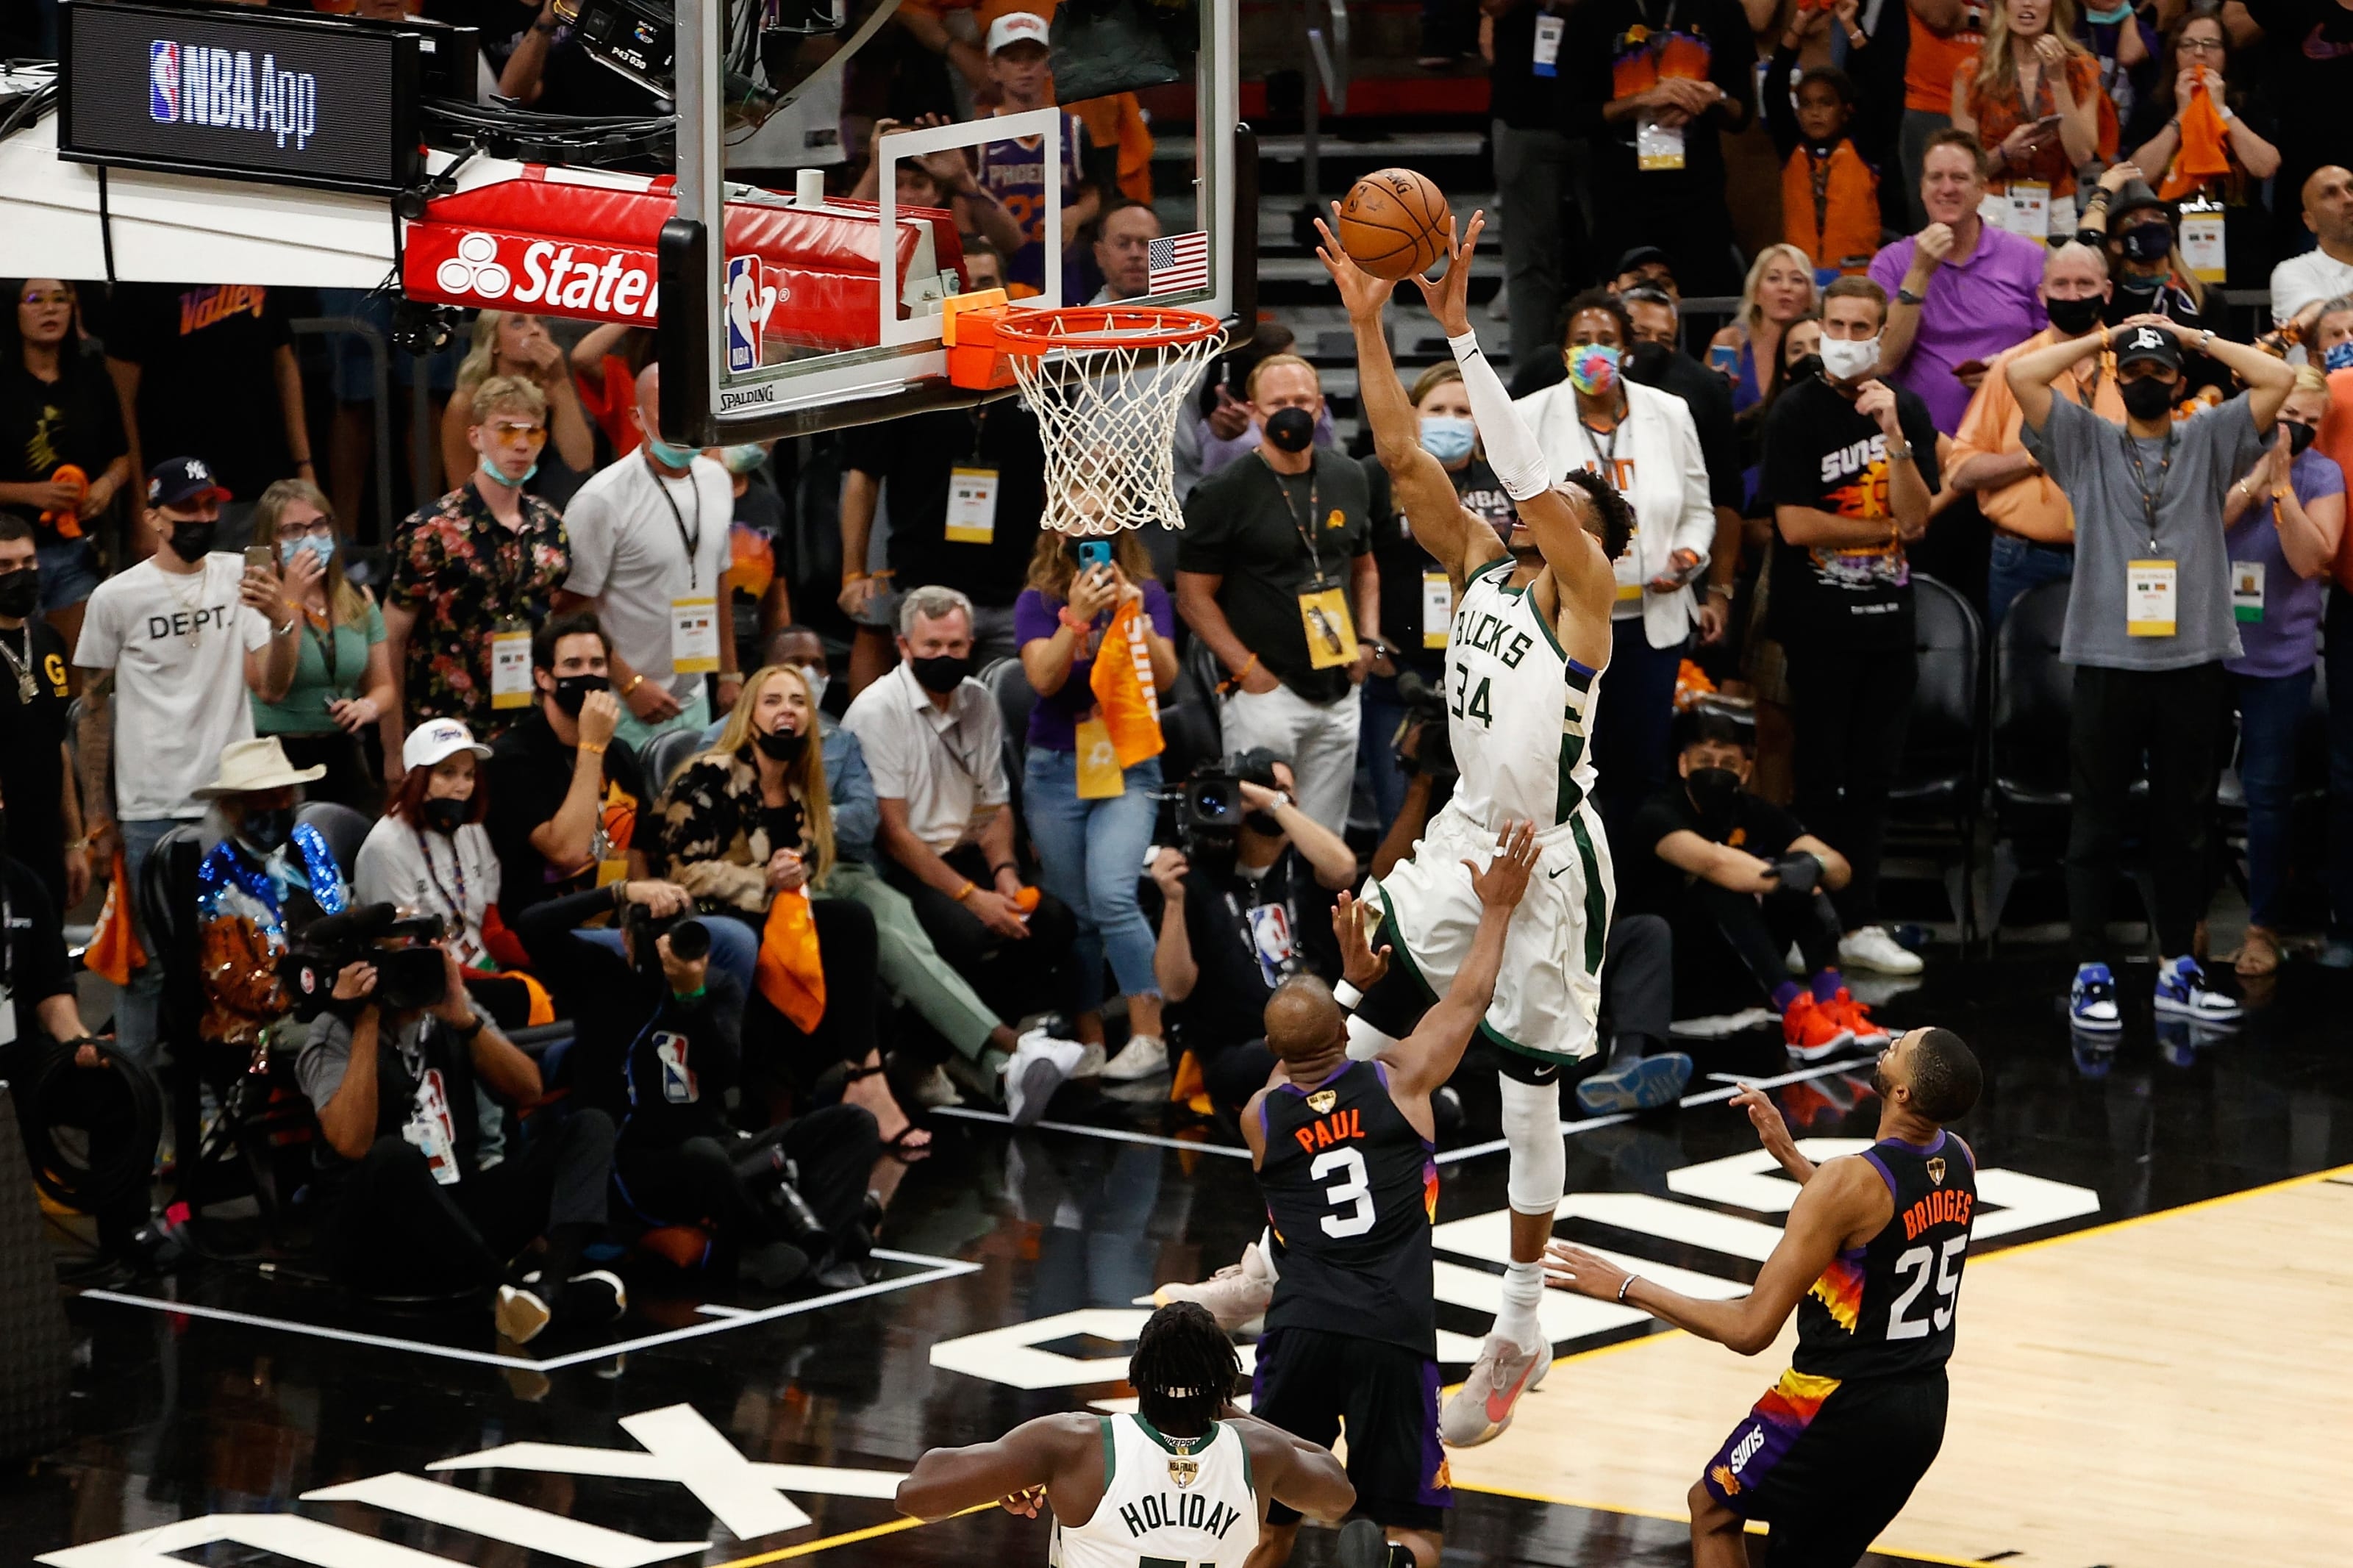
1394	223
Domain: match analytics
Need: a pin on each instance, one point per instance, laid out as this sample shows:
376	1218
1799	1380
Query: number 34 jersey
1890	1305
1520	713
1351	1189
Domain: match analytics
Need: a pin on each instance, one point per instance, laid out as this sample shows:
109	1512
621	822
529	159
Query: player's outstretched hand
1450	297
1506	880
1025	1503
1766	1116
1573	1268
1359	964
1365	295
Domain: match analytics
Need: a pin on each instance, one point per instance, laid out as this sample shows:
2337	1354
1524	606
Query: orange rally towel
114	950
788	973
2203	155
1124	688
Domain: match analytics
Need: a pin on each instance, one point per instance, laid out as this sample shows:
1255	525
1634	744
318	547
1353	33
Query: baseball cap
1643	255
175	482
2152	345
437	739
1017	28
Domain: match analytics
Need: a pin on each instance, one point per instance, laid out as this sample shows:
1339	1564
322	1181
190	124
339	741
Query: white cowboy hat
247	766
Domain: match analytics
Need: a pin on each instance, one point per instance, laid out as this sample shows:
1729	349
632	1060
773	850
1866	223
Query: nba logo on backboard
744	314
163	82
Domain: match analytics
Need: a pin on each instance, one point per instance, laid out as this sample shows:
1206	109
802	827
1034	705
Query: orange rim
1099	327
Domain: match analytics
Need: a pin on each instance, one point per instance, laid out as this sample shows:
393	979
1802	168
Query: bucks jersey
1183	1501
1889	1305
1351	1188
1519	711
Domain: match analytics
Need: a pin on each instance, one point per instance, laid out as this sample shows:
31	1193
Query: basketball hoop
1106	383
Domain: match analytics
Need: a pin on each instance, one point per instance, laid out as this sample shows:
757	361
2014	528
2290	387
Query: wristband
1347	995
965	892
1071	622
1626	1285
464	1033
850	577
1004	866
635	681
592	748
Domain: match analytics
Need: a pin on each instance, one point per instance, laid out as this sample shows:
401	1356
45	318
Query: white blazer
1662	475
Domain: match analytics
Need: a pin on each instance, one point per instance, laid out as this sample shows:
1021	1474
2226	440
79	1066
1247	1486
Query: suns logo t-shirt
1821	454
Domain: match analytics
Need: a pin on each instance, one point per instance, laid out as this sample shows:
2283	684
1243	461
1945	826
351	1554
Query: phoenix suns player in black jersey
1871	1261
1344	1153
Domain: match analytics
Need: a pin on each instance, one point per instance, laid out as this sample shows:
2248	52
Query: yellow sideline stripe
847	1537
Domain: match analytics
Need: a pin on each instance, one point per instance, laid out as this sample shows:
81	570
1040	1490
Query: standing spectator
343	673
1655	358
2145	263
517	347
1276	574
1124	253
36	784
554	70
650	556
1540	168
1643	442
943	179
2197	59
1656	100
2324	271
1945	35
2034	525
1850	466
1090	820
2311	65
1015	170
480	564
2149	625
210	368
2284	521
1961	290
172	646
2030	72
57	411
1829	195
1780	290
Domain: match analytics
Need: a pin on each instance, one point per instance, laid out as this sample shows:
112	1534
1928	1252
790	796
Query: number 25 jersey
1890	1305
1351	1189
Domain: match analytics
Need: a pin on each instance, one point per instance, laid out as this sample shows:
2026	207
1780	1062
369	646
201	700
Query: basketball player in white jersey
1185	1479
1524	659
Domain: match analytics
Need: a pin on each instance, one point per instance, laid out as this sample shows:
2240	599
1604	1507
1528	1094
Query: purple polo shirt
1976	309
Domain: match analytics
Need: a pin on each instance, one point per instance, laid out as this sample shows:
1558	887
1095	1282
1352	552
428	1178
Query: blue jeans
1376	747
735	946
2017	565
1090	855
2271	708
134	1010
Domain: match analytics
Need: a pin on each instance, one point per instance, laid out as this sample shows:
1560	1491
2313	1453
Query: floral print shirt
462	572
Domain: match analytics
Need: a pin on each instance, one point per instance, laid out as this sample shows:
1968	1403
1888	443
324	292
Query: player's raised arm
1428	1057
1419	482
949	1480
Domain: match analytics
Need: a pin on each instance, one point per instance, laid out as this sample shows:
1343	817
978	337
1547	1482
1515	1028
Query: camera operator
390	1069
661	1044
1241	908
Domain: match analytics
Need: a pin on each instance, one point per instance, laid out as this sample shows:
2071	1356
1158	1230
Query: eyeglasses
316	528
518	434
2199	47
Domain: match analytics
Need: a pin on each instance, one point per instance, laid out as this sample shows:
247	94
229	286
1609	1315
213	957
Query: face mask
492	472
2149	242
667	455
817	679
1593	368
20	592
191	541
2339	355
2148	398
1447	438
1715	792
1850	359
1647	360
782	745
1806	367
446	814
1291	430
942	673
287	549
572	690
266	830
2109	18
2073	318
742	460
2299	437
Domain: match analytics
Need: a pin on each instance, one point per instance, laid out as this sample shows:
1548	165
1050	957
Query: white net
1107	413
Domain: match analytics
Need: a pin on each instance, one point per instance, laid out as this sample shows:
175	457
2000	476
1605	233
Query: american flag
1178	262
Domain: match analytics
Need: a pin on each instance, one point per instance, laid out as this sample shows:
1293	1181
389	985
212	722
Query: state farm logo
475	270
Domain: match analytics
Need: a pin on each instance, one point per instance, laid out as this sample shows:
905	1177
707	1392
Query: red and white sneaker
1844	1009
1234	1294
1478	1412
1813	1030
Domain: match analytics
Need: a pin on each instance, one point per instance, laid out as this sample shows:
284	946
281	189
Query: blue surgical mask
1448	438
2340	356
2109	18
493	472
322	548
742	460
667	455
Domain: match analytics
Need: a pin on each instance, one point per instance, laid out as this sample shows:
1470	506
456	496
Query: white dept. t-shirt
177	648
629	549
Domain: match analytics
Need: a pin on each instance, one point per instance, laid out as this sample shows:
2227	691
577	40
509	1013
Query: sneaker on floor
1144	1055
1811	1031
1234	1294
1856	1015
1039	1065
1091	1059
1873	948
1479	1411
1644	1085
1363	1544
2092	1001
936	1088
595	1297
520	1314
2181	990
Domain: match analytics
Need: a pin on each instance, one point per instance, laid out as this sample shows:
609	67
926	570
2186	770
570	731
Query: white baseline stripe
1116	1135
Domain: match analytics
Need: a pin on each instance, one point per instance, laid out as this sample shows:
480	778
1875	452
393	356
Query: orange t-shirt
1933	56
2031	506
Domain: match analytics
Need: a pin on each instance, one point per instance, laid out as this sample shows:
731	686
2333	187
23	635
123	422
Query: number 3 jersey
1889	1306
1351	1188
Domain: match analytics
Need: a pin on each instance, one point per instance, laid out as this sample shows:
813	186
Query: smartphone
1094	552
260	558
1724	357
1691	572
2048	123
1969	367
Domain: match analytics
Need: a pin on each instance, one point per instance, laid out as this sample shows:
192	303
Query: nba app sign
190	84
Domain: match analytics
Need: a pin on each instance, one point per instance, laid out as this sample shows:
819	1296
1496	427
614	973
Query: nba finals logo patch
1936	1171
1184	1472
1323	1099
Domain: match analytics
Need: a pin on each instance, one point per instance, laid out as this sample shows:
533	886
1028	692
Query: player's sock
1400	1556
1826	984
1522	1288
1785	994
1629	1048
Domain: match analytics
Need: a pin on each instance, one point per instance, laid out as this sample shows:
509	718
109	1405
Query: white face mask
817	677
1846	359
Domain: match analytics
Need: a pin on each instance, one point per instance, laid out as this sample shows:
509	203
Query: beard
1879	1084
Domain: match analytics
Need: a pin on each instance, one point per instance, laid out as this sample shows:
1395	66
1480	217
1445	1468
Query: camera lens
690	939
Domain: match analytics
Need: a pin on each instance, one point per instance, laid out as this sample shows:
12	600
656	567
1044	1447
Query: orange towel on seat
788	972
1123	685
114	950
2205	153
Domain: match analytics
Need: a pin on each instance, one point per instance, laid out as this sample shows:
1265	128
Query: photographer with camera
1241	908
390	1069
659	1045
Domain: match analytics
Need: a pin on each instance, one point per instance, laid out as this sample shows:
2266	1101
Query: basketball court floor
2148	1370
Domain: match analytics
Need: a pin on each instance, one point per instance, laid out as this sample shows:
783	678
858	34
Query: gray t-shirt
326	1054
2088	456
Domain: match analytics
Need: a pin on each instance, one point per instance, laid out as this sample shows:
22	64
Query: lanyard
2149	499
693	542
1306	533
457	868
2087	391
1606	450
326	643
979	416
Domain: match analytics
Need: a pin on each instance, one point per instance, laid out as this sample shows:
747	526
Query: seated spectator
1830	195
430	852
1014	171
2321	332
268	877
1741	883
2283	522
2192	86
1124	253
44	831
2032	99
659	1045
1643	266
478	567
342	672
1959	290
943	180
1271	541
1780	290
1238	914
934	743
2034	525
513	346
405	1205
2136	230
59	418
748	825
2325	270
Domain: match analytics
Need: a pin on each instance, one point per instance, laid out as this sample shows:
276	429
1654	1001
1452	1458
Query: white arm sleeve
1512	449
